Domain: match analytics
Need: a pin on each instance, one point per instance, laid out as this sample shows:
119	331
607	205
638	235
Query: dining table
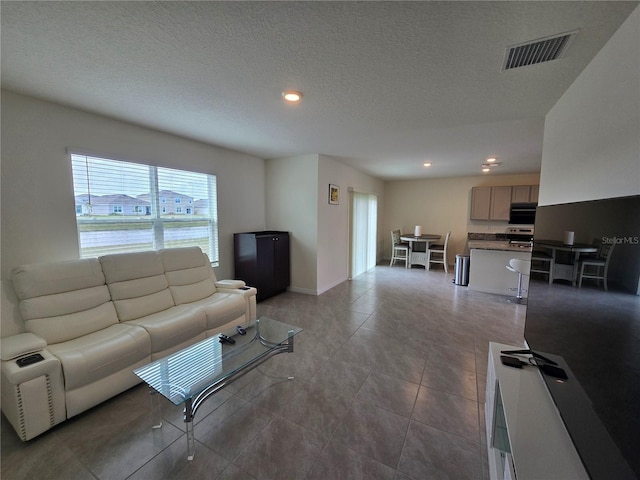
419	257
564	271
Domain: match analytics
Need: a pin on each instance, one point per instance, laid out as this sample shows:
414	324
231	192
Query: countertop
503	246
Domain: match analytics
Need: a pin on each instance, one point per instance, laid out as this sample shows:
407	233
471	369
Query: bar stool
522	268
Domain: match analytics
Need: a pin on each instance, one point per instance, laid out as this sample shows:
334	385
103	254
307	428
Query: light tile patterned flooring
389	383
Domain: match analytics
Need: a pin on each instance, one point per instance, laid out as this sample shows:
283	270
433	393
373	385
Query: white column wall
591	147
297	202
333	220
291	195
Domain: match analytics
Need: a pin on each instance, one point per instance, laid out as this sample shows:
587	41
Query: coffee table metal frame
194	392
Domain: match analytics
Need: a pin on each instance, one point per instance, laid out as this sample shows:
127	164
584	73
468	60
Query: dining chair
597	267
440	252
399	249
541	262
522	268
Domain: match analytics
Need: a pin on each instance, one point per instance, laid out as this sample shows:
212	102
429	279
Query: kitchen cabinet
500	203
525	194
494	203
480	203
490	203
520	194
262	260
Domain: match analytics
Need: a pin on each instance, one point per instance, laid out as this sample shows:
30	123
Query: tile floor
389	384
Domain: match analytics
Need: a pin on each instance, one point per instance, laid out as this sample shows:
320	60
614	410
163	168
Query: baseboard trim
304	291
320	291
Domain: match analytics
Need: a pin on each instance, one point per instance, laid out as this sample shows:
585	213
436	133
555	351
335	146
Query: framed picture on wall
334	194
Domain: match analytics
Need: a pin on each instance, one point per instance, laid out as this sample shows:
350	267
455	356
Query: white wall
440	205
591	146
333	220
291	200
297	202
38	213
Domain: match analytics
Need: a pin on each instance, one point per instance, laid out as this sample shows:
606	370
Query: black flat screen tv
595	331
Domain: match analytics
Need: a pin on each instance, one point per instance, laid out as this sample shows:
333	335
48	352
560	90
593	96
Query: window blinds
127	207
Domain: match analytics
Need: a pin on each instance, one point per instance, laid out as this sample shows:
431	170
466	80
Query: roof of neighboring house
115	199
165	193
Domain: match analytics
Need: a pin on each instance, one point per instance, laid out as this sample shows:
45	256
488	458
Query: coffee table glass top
188	372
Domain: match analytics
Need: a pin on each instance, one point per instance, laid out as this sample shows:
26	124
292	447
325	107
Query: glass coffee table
192	375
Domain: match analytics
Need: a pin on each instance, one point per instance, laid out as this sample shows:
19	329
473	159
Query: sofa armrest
249	294
19	345
230	284
32	396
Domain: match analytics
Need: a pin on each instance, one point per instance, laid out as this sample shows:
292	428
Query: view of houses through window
127	207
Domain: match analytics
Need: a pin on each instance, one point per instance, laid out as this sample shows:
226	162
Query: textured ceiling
387	85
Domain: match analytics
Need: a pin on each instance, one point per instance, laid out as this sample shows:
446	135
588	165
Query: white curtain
364	219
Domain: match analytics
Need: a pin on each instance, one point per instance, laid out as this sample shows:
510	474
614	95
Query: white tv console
526	438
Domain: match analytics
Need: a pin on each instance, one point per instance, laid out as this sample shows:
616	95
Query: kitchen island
487	269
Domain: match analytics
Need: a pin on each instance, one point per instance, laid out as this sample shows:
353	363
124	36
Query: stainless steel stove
520	236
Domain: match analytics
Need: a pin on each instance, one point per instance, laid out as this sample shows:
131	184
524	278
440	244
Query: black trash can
462	270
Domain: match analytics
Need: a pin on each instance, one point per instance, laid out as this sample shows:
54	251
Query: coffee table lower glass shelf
193	374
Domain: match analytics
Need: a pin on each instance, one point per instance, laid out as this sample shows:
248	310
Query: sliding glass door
364	219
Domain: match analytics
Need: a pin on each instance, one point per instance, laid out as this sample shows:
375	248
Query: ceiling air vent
538	51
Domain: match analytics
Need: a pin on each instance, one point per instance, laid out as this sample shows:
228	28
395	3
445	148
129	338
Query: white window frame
157	230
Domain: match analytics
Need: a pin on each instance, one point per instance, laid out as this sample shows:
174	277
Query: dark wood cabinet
262	261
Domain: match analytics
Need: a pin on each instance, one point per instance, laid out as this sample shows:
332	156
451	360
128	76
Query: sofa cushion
100	354
130	303
39	279
179	258
119	267
137	284
172	327
62	328
189	274
221	308
190	290
63	300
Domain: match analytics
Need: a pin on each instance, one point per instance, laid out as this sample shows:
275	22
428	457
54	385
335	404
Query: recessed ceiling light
485	170
491	160
291	96
427	164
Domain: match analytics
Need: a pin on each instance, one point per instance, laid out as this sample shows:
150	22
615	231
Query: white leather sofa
94	321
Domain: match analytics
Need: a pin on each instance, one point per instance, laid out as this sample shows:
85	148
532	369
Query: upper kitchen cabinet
500	203
535	190
480	203
494	203
490	203
525	194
